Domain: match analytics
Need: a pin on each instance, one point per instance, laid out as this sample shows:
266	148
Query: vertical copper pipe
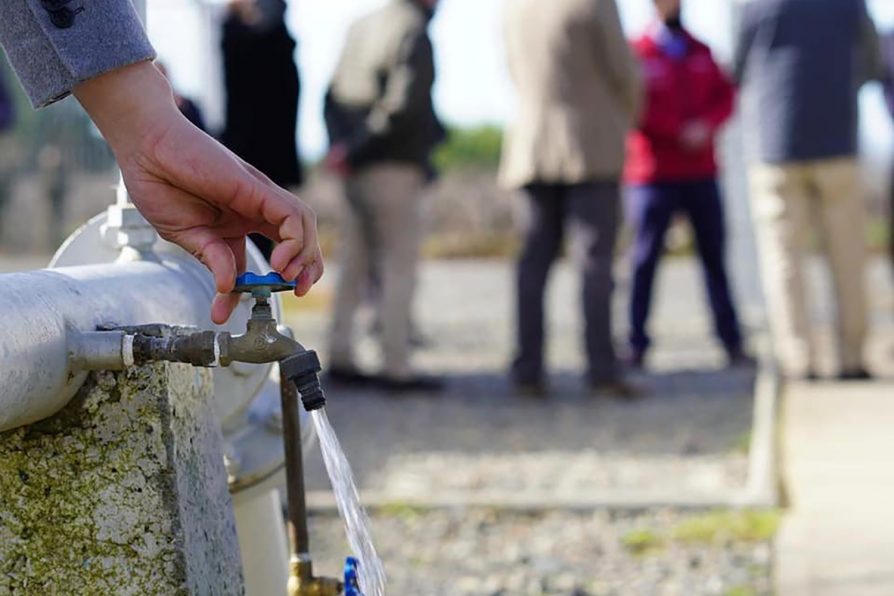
297	508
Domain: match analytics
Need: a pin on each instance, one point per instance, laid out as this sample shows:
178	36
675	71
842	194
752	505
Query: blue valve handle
352	585
249	282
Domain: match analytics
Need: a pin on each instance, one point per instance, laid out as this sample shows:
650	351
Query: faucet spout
262	341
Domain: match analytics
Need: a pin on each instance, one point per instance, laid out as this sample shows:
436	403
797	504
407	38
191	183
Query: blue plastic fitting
352	585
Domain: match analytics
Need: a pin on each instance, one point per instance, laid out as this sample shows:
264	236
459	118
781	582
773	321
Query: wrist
129	105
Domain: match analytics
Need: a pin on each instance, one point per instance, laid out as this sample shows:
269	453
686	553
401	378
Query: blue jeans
650	210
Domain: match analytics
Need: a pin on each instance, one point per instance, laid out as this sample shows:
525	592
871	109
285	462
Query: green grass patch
399	510
719	527
740	591
642	541
743	443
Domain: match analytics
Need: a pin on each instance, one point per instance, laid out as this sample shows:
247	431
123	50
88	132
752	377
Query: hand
337	160
696	135
194	191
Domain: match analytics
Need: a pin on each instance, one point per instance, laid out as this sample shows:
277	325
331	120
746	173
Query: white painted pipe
263	543
43	314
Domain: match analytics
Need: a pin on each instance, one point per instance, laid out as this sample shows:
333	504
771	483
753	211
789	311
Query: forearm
127	105
51	55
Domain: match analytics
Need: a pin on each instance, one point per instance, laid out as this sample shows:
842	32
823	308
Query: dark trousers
589	213
650	210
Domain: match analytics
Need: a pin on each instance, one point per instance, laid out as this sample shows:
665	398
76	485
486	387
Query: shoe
415	384
617	389
635	359
807	376
529	389
855	374
348	377
738	358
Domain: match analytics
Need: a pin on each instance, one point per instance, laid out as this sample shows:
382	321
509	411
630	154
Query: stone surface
489	552
122	492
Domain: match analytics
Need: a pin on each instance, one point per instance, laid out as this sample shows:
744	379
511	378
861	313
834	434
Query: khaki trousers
788	199
380	241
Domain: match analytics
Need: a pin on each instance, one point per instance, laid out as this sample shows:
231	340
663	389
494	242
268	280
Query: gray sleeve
52	53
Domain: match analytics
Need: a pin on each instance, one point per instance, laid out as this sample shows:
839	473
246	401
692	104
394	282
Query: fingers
298	256
310	274
214	252
223	306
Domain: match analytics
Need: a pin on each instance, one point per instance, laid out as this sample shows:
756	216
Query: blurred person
196	193
671	168
805	62
382	128
187	106
262	93
888	81
579	91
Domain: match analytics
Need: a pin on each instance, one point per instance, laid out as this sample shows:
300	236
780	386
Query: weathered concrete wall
122	492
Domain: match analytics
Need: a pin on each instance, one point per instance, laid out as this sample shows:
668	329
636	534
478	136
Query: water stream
371	571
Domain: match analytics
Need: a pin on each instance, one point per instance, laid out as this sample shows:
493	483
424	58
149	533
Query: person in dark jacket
805	62
382	128
671	168
262	89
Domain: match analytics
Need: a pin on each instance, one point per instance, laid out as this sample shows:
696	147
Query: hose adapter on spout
303	369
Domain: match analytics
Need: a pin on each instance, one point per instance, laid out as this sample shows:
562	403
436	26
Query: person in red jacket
671	169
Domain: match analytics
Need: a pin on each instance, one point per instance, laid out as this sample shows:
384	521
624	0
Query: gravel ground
690	435
489	553
478	440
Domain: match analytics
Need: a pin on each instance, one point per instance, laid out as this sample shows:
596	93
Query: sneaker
617	389
414	384
855	374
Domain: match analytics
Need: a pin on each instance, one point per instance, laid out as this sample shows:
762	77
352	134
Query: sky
473	86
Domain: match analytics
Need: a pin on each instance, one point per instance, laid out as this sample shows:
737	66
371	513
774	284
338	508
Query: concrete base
122	492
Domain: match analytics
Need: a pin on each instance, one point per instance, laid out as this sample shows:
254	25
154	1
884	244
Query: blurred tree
470	148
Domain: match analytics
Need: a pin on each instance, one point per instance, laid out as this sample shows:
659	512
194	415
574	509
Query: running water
371	571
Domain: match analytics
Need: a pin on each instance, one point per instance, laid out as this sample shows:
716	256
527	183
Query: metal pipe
297	507
45	314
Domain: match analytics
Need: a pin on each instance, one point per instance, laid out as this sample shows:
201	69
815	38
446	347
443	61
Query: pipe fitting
303	370
100	350
303	583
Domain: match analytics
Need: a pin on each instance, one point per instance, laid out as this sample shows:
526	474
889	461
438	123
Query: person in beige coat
579	91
